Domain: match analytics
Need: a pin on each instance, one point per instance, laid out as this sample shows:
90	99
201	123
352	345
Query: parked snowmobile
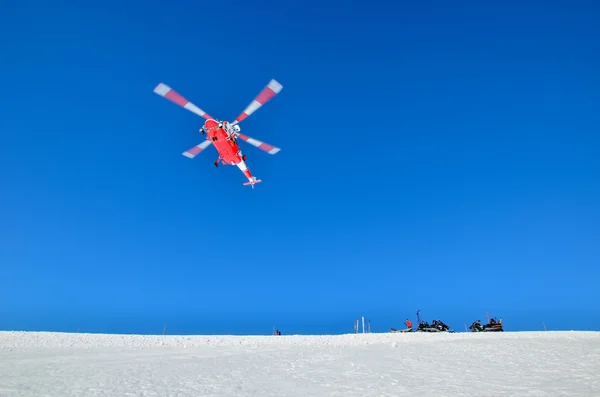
436	326
492	326
476	326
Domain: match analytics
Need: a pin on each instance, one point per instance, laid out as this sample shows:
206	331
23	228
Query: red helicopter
223	134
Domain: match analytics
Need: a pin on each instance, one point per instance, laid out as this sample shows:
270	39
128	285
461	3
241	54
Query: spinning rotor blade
167	92
193	152
261	145
265	95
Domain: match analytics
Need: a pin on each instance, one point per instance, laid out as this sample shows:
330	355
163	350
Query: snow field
461	364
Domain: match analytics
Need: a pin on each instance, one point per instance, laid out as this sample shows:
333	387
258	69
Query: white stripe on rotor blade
162	89
274	150
275	86
201	146
193	108
252	107
254	142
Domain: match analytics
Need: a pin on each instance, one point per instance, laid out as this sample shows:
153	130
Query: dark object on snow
492	326
436	326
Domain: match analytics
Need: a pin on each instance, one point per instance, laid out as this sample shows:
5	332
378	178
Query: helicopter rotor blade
268	92
259	144
167	92
193	152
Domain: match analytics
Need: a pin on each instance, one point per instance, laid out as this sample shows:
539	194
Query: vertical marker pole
363	323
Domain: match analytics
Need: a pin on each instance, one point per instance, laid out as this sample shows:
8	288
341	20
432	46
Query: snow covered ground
417	364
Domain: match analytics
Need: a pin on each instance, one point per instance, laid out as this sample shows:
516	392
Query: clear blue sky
441	157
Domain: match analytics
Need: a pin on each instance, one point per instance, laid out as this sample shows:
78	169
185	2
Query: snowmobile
492	326
436	326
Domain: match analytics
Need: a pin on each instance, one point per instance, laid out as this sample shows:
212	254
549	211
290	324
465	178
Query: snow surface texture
415	364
